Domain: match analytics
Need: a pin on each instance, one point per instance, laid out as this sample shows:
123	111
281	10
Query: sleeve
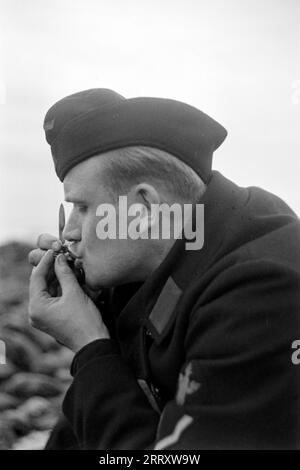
105	405
237	388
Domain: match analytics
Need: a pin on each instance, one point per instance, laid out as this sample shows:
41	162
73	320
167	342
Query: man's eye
82	209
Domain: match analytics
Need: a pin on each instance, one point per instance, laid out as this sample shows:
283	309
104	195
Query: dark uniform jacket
201	353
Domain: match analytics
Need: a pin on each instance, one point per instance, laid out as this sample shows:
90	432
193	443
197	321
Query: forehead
83	182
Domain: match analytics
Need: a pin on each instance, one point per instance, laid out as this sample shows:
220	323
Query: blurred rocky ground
36	373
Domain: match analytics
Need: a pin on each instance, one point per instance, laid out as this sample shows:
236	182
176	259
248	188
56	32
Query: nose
72	230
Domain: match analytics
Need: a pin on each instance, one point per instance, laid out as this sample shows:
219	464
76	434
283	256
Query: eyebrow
75	199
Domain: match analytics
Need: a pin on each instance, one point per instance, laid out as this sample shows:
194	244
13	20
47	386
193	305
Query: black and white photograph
150	233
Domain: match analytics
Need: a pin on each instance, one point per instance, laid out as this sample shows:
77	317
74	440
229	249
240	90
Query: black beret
98	120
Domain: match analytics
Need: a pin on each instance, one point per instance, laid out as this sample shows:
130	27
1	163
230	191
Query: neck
156	256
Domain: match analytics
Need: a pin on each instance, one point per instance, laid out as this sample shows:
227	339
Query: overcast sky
237	60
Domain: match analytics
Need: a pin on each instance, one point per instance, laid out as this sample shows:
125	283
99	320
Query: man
183	348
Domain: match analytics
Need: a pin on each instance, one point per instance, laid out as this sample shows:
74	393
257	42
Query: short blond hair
131	165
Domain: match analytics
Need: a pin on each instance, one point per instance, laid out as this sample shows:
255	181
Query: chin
93	284
97	282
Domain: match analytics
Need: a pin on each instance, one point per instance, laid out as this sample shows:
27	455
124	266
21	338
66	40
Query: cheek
89	235
95	250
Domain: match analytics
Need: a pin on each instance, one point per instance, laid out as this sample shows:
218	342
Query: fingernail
61	259
56	245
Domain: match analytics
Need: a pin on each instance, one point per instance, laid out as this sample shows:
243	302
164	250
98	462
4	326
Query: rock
36	440
27	351
64	375
51	362
16	420
14	259
17	320
20	350
56	402
36	413
8	401
14	274
15	317
12	292
39	413
45	422
7	435
41	339
26	385
35	406
6	371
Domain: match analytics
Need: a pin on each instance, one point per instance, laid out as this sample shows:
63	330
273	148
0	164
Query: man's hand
46	242
72	319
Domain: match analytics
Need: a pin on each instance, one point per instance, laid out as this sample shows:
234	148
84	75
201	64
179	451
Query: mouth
77	260
72	254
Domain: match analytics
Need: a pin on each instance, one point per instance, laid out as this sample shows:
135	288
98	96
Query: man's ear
147	194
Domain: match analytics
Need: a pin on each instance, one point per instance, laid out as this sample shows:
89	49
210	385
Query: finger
38	280
45	241
35	256
64	274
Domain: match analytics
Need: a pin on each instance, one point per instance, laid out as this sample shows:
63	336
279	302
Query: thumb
64	274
